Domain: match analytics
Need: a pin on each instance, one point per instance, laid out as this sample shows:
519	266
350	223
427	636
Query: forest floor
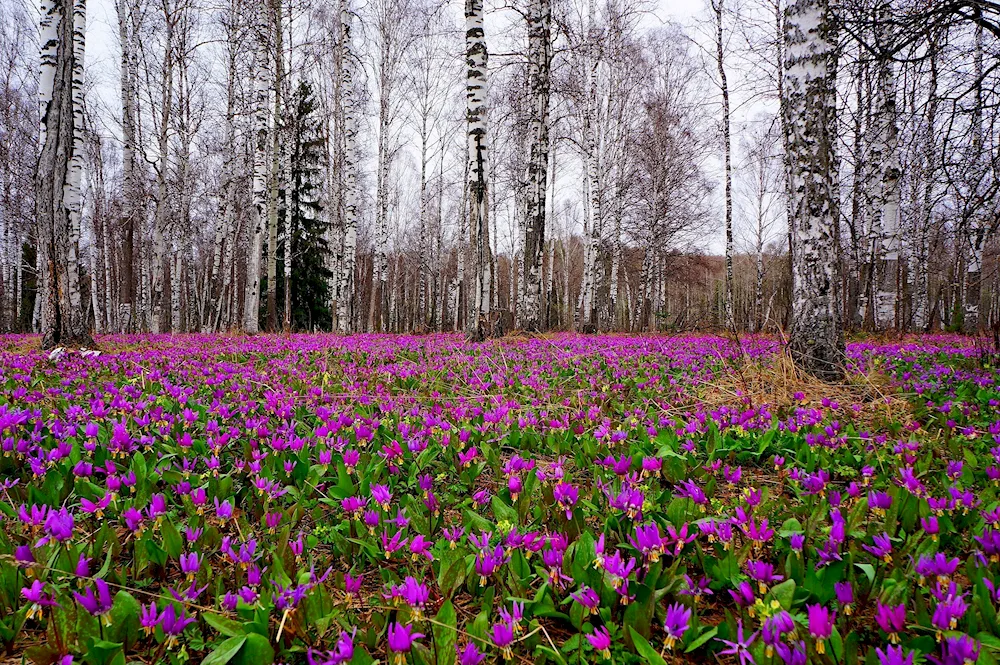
563	499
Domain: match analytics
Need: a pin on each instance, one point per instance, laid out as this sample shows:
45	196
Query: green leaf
125	612
868	570
172	543
702	639
224	625
784	593
224	653
503	512
446	634
452	573
257	650
645	649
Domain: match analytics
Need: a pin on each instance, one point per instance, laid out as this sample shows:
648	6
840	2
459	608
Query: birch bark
251	314
539	59
816	340
348	298
57	191
476	62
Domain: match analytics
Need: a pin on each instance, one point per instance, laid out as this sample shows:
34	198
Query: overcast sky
102	65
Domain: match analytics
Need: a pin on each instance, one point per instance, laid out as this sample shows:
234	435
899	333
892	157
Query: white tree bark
816	339
539	59
719	8
922	221
262	82
593	174
975	231
162	213
476	80
57	181
128	23
889	217
348	298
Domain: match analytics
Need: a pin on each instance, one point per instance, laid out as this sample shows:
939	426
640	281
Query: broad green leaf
702	639
445	634
645	649
224	625
225	652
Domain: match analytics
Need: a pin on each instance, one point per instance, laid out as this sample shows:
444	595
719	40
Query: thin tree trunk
251	305
348	297
593	171
539	59
718	7
476	60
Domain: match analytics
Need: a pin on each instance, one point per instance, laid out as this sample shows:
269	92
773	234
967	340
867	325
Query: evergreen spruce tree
310	277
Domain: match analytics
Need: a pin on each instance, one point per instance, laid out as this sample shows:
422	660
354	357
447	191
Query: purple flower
588	598
23	556
821	622
743	595
487	563
648	541
774	628
190	564
793	653
58	527
149	618
845	595
173	624
618	569
740	647
421	547
961	650
894	655
401	639
762	573
342	653
566	496
891	619
881	547
503	636
470	655
949	612
600	639
352	585
35	594
96	605
677	622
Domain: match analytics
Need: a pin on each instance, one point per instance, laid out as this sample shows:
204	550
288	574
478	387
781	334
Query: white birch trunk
128	21
816	339
719	7
539	59
593	170
348	298
57	179
476	81
161	215
976	231
261	128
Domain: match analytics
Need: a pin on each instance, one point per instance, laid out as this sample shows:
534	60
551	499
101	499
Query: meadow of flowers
326	500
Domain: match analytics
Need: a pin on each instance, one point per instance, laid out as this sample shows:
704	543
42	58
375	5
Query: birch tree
346	303
816	338
261	134
477	326
718	8
57	181
129	17
539	62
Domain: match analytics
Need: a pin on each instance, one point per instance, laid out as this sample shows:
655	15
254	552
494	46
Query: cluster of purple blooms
393	462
